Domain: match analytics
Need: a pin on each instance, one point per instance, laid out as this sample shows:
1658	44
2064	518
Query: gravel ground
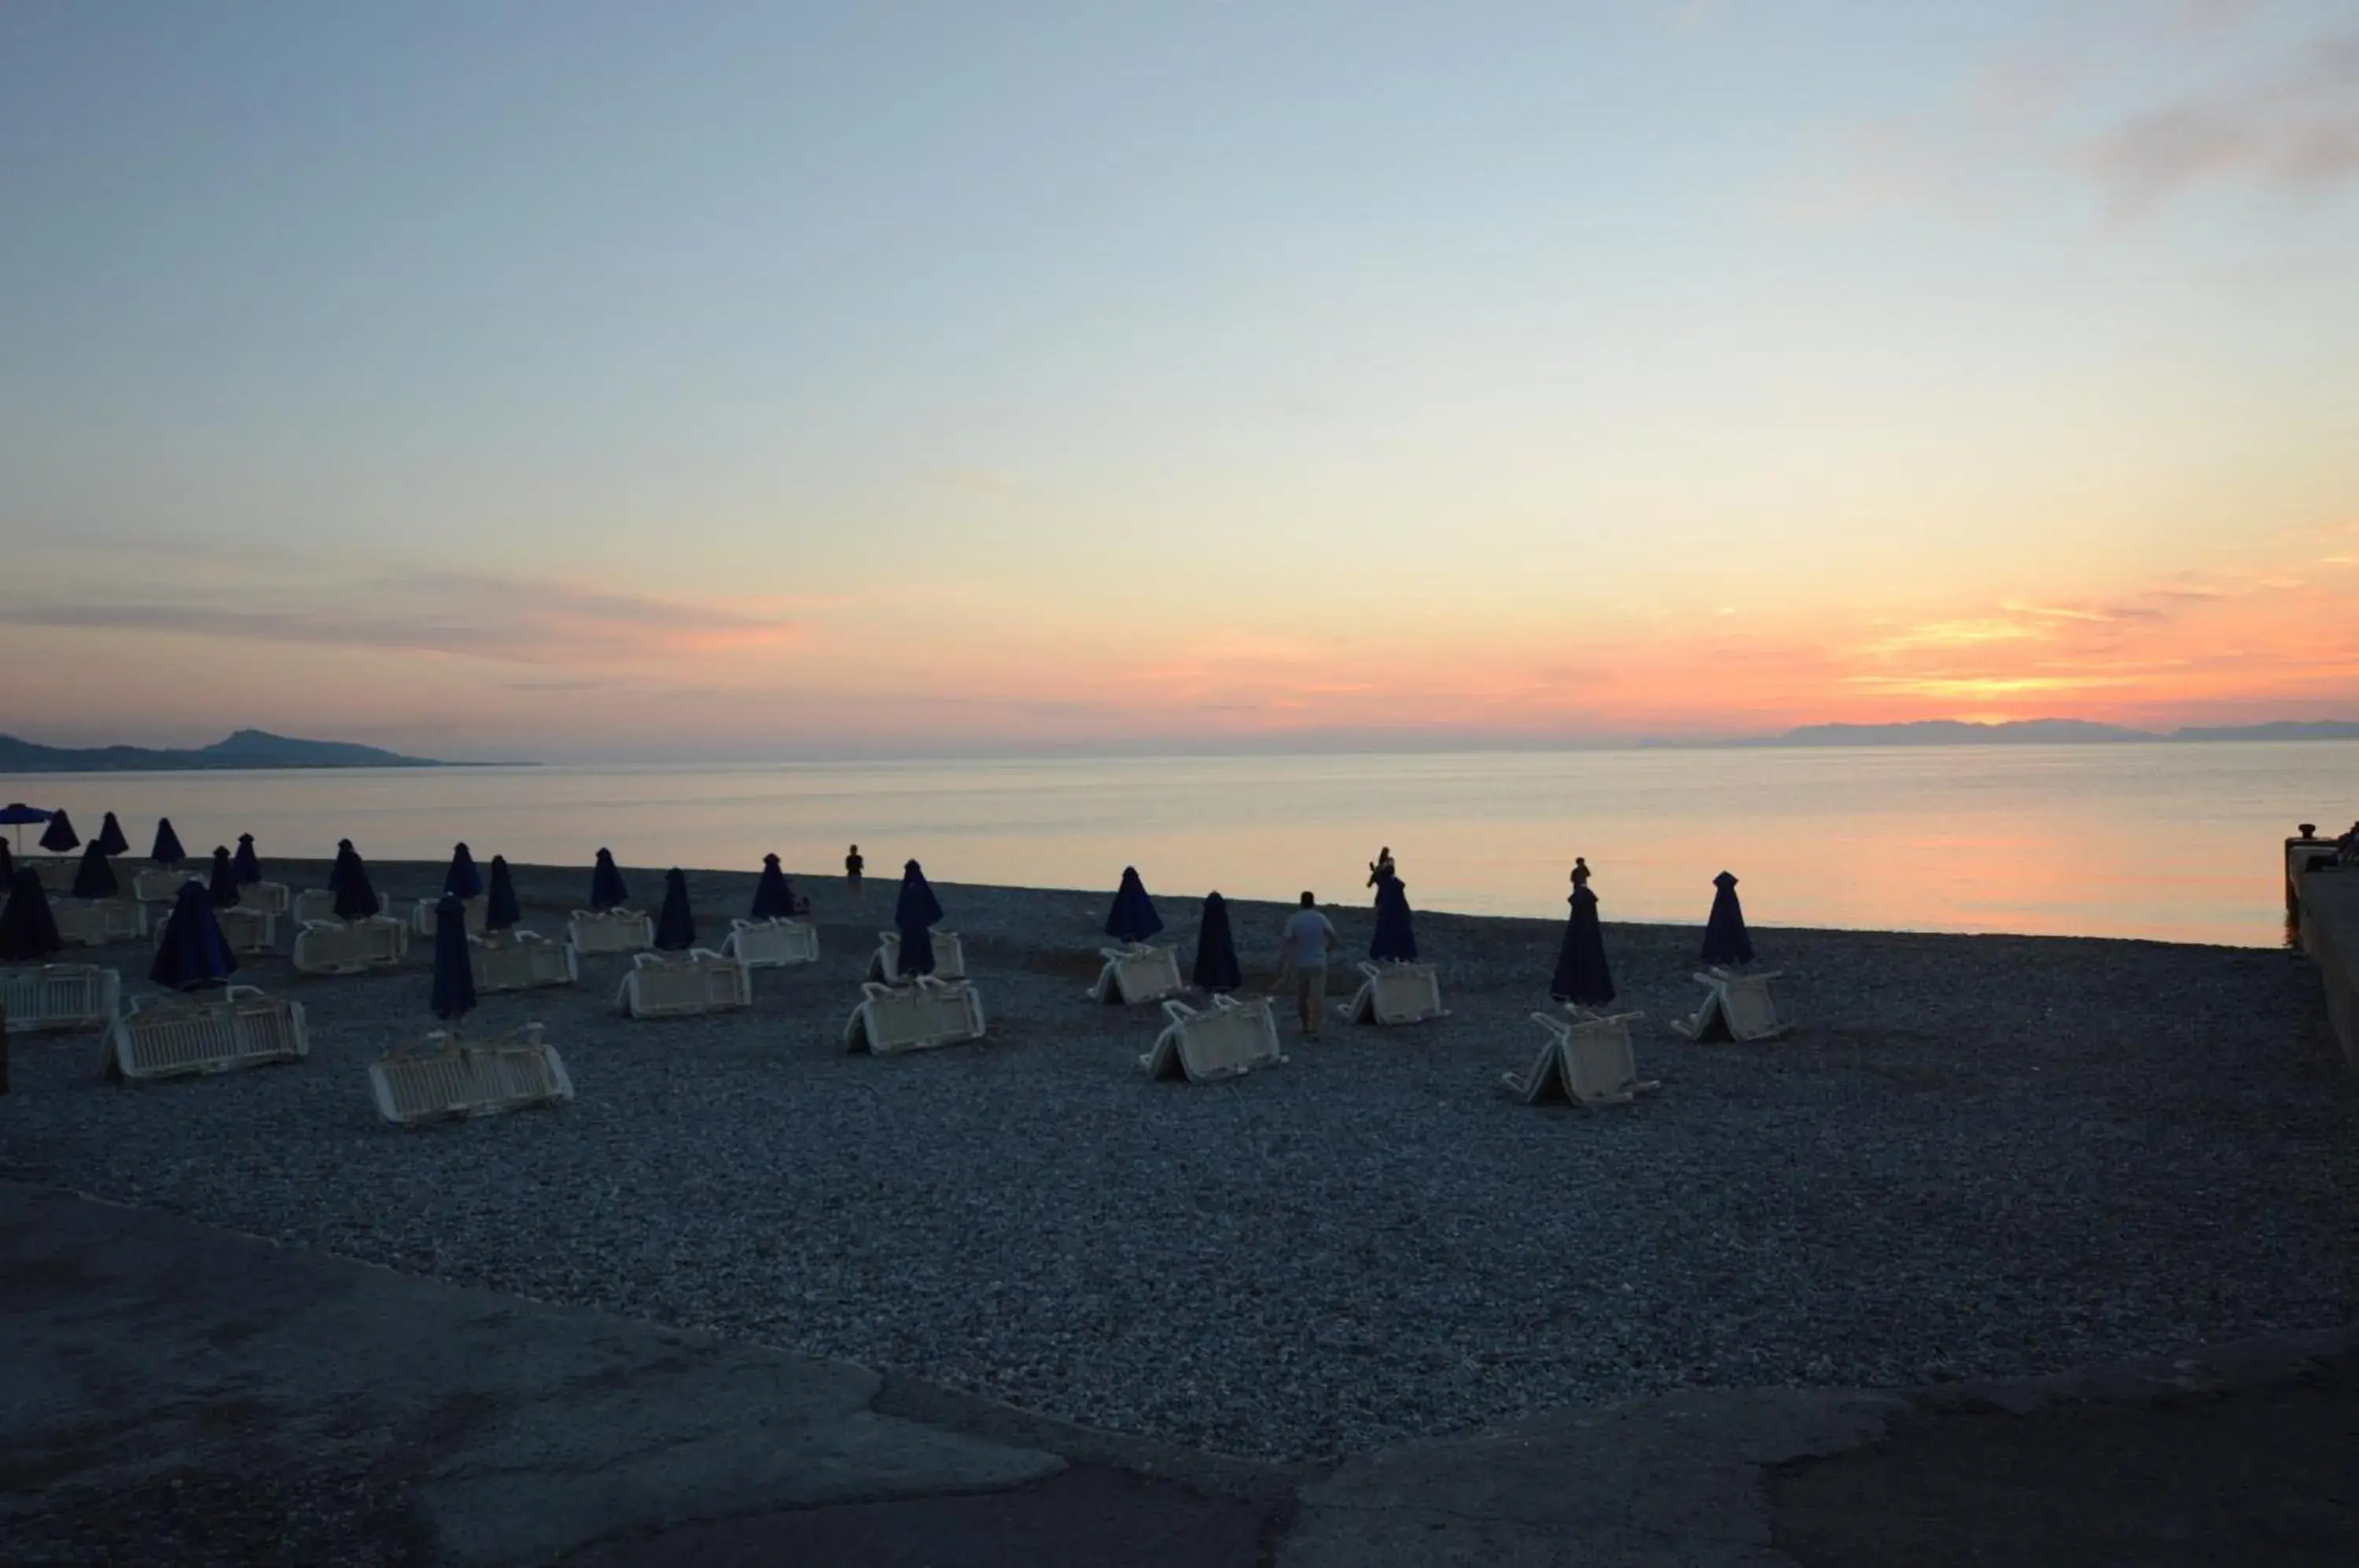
1979	1156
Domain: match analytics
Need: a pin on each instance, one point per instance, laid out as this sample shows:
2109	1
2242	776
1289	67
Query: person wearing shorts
1309	938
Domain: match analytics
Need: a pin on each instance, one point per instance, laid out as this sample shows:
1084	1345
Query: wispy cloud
2295	131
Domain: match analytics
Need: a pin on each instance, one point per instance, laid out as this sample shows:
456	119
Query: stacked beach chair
1584	1057
1396	993
1226	1040
185	1036
884	963
446	1078
1136	972
45	998
351	947
681	984
1737	1006
95	922
921	1014
521	961
610	930
421	916
772	943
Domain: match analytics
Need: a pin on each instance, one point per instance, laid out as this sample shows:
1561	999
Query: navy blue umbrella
16	814
355	899
1133	916
94	878
224	886
345	855
500	909
29	932
110	839
168	852
676	927
245	863
463	878
1725	939
606	890
1581	972
914	913
1395	939
190	951
774	895
1216	949
454	972
8	866
61	836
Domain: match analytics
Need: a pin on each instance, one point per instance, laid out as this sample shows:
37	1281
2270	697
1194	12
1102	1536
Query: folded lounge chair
94	922
928	1013
248	931
314	904
1136	972
1586	1059
157	887
1395	993
520	961
884	963
678	986
421	916
57	873
351	947
274	898
772	943
453	1078
177	1037
1737	1006
40	998
1227	1039
610	930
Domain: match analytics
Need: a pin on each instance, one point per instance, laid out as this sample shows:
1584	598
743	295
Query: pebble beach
1976	1156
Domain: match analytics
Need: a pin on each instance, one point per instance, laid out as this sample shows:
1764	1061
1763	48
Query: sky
594	381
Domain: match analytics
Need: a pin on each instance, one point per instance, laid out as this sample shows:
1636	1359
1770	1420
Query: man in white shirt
1310	937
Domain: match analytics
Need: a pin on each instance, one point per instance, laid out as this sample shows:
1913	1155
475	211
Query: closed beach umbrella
355	899
676	927
29	932
224	886
8	866
774	895
455	973
245	863
914	914
1725	939
1395	940
61	837
1216	949
110	839
94	878
606	890
16	814
167	852
500	909
345	855
1133	916
189	953
1581	972
463	878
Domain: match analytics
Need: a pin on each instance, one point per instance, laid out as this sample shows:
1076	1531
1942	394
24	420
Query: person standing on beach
1309	938
851	867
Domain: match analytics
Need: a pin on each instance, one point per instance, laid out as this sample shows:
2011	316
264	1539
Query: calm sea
2178	841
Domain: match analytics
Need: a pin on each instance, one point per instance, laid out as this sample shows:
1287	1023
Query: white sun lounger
314	904
1227	1039
57	872
891	1019
772	943
273	898
671	986
340	947
60	997
152	886
1395	993
884	963
421	916
610	930
97	921
178	1036
1586	1059
1737	1006
1136	972
454	1078
248	931
520	961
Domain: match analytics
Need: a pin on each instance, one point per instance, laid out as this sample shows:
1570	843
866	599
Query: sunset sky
590	380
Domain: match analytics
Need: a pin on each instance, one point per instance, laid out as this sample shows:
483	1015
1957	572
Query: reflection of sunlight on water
2174	842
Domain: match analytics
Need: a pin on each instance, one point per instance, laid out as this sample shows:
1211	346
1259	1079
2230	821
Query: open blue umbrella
914	914
676	927
774	895
29	932
355	899
61	838
606	890
1725	939
1581	975
1216	949
224	886
500	909
1395	939
454	972
245	863
345	855
16	814
94	878
1133	916
463	878
110	839
190	951
167	852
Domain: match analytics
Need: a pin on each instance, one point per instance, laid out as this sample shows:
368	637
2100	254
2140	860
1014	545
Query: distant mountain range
245	748
2044	732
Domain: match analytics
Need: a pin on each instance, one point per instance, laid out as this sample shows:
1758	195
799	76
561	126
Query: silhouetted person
1303	949
853	865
